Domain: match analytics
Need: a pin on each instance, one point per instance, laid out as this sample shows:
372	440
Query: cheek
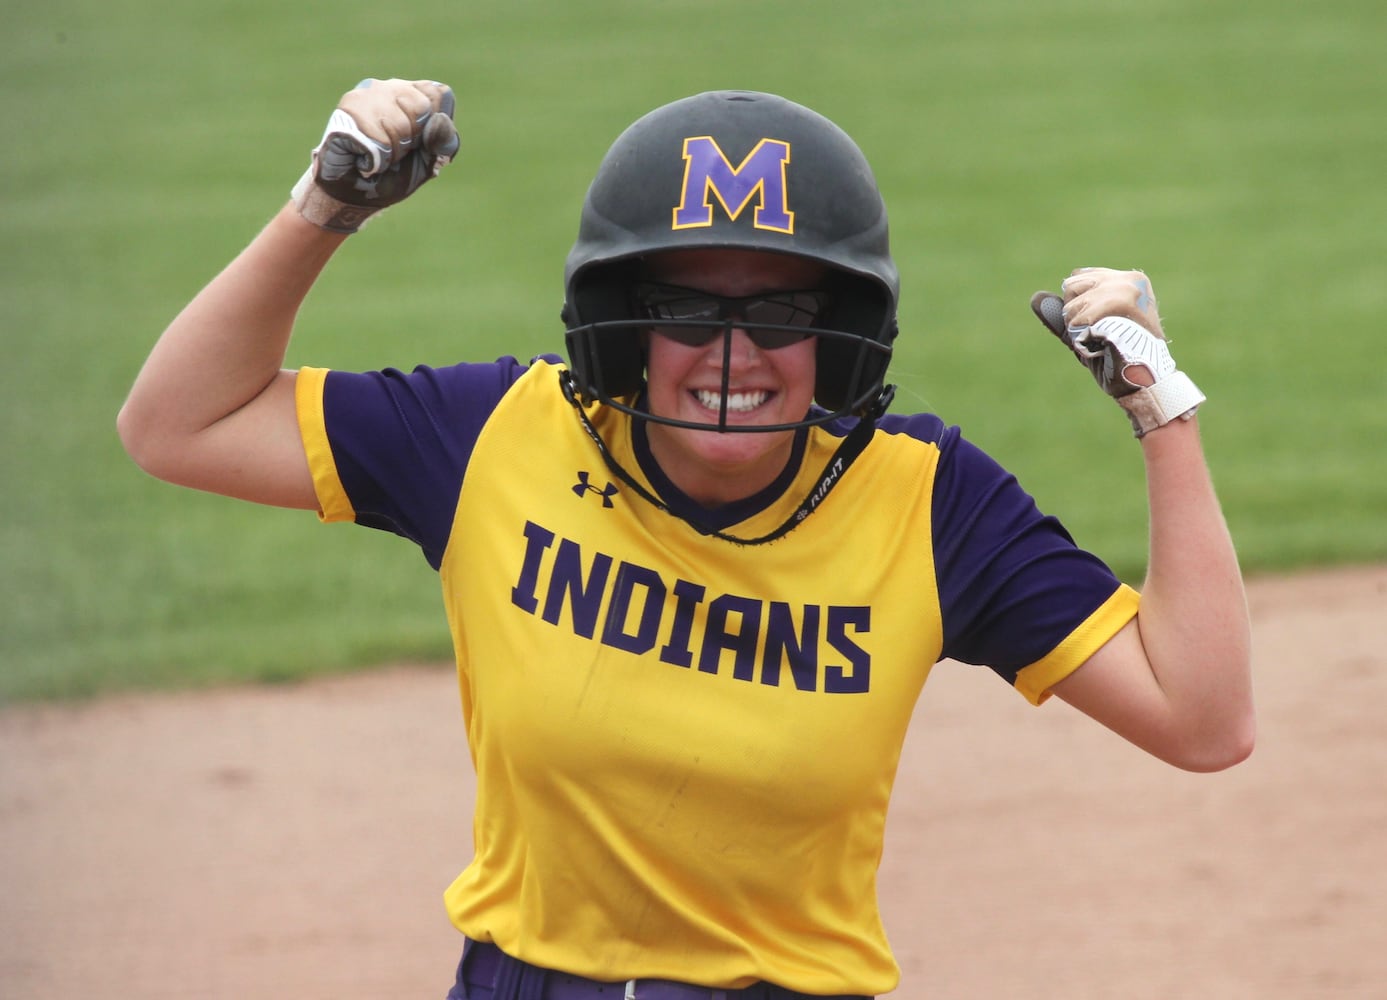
797	366
665	364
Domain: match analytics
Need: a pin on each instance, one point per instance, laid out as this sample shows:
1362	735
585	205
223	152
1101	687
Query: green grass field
1234	151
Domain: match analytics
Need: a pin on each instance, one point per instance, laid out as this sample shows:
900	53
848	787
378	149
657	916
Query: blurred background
1234	152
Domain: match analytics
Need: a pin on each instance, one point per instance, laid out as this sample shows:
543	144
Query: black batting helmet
743	170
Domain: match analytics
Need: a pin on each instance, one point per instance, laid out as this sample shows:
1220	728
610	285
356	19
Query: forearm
229	342
1193	619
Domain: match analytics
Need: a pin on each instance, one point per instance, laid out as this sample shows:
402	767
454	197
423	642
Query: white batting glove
386	139
1108	319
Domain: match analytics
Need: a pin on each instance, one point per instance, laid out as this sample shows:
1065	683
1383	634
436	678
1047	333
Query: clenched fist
1108	319
385	139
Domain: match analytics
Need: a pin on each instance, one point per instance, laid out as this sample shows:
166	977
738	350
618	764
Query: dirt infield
295	841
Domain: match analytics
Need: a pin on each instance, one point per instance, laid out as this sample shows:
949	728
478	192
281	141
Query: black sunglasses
700	316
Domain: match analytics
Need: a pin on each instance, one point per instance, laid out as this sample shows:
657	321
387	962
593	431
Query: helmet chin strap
837	465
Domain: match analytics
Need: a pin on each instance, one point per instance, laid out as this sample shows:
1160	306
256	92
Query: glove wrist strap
325	211
1173	397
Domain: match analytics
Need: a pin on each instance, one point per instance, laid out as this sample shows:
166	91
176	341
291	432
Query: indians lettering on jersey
811	646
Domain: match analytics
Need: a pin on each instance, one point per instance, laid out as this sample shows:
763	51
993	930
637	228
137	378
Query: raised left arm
1177	680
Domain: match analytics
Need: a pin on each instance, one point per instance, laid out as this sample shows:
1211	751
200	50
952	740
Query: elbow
1230	745
138	436
1242	741
132	435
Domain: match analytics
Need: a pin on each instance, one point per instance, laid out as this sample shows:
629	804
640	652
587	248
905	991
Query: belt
488	973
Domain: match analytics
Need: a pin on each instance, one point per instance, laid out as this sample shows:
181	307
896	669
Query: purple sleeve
401	442
1012	583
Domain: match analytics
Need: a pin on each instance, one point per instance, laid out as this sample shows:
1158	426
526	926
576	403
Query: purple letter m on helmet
761	176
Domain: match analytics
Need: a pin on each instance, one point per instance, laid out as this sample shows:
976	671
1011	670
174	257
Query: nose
741	350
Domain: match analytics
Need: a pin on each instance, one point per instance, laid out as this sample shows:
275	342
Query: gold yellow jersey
685	747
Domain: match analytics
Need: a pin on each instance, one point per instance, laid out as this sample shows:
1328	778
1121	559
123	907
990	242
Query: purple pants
487	973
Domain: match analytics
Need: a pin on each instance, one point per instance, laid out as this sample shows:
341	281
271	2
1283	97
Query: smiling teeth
738	402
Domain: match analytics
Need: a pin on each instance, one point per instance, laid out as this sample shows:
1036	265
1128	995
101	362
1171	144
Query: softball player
689	641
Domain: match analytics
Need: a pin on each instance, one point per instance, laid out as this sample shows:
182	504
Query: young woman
692	626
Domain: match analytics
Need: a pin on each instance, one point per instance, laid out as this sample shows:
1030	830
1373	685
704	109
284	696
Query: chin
735	448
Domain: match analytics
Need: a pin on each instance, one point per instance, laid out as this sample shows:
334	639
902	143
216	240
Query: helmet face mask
733	170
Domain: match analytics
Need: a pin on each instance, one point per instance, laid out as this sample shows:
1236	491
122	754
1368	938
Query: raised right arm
212	408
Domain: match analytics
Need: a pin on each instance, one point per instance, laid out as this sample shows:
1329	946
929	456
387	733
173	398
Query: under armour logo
606	492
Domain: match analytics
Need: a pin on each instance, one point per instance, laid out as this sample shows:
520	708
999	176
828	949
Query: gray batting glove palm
385	139
1108	320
